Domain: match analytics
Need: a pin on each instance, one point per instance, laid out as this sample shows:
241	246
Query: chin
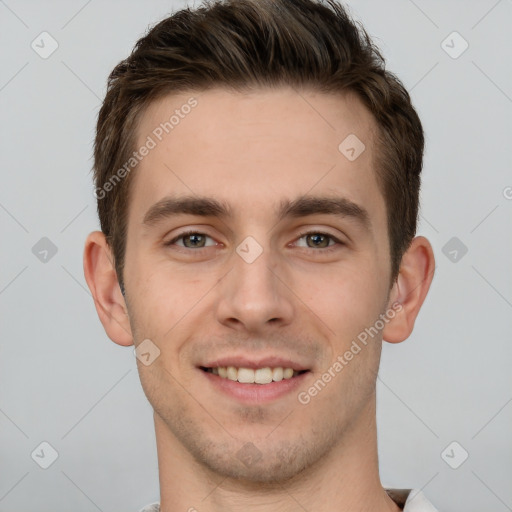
262	462
275	466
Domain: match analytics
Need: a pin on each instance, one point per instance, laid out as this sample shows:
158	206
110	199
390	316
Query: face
256	249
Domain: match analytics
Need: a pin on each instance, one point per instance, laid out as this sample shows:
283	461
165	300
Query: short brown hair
241	44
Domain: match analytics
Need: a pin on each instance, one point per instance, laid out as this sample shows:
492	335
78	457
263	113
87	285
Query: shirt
409	500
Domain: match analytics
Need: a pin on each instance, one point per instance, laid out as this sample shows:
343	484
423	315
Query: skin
252	151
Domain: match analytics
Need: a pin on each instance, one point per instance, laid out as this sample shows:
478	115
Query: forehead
255	150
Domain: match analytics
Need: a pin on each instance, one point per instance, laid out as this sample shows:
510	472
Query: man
257	172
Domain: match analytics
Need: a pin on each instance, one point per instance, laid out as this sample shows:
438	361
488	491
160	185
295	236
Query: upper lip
254	362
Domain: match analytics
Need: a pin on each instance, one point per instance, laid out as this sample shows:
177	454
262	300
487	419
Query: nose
254	295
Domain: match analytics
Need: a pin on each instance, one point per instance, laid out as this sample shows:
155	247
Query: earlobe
410	289
102	280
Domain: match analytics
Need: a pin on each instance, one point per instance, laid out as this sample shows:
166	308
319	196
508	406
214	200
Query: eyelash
324	250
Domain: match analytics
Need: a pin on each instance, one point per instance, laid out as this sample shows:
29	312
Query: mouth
254	383
262	376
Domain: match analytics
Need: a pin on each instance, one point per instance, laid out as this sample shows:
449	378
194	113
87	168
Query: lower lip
255	393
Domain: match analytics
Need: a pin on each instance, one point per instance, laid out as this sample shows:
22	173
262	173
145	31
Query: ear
102	280
410	289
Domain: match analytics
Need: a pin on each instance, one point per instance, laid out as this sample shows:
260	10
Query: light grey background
64	382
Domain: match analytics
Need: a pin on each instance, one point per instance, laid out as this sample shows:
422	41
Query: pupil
316	238
194	238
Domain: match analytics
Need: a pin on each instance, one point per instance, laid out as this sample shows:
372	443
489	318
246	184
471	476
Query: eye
319	240
191	240
312	240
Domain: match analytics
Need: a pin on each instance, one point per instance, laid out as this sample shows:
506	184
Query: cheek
169	306
347	297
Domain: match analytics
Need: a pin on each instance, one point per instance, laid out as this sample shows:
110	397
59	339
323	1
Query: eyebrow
301	207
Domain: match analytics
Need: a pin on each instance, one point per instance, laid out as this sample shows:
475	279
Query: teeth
250	376
287	373
245	375
277	374
262	376
232	373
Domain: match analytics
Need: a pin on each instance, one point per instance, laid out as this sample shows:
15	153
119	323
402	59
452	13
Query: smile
264	375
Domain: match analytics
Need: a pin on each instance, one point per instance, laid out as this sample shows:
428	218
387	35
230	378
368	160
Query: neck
347	476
